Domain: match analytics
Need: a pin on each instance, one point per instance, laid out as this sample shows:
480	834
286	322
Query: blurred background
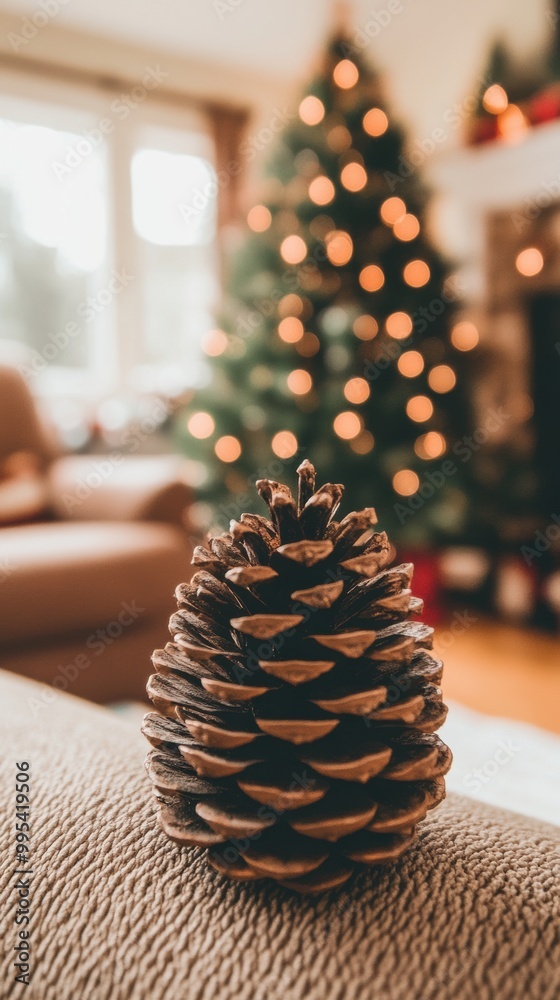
233	236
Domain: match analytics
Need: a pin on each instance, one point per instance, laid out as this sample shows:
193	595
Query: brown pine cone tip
297	704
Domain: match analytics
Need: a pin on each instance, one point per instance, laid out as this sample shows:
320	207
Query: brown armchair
85	595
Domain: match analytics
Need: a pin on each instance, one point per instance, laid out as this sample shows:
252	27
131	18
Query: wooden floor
502	670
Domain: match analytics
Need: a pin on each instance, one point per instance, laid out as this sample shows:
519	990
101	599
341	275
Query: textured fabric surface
472	911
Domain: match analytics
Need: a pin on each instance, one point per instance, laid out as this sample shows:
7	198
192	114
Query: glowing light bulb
353	177
321	190
339	247
375	122
259	218
371	278
311	110
405	482
201	425
215	342
347	425
410	364
529	262
345	74
293	249
299	381
442	378
430	445
464	336
416	273
363	443
419	409
365	327
290	305
308	345
392	210
227	448
356	390
407	228
495	99
339	139
284	444
512	124
398	325
290	330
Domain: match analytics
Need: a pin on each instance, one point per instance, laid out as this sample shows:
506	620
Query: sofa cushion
59	578
121	913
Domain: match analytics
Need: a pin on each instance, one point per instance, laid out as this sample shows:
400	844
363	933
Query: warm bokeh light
201	425
290	305
375	122
371	278
356	390
353	177
529	262
227	448
405	482
363	443
410	364
299	381
464	336
293	249
311	110
442	378
416	273
339	139
365	327
308	345
347	425
419	408
512	124
407	228
321	190
392	210
284	444
259	218
398	325
345	74
339	247
215	342
495	99
430	445
290	330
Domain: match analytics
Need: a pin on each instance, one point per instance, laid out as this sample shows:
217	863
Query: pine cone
297	702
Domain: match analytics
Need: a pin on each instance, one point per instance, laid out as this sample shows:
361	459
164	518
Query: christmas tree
340	338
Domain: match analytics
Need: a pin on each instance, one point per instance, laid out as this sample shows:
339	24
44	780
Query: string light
512	124
416	273
405	482
290	330
345	74
398	325
392	210
464	336
356	390
339	247
308	345
442	378
311	110
201	425
293	249
495	99
215	342
430	445
407	228
419	409
347	425
227	448
290	305
529	262
375	122
410	364
353	177
371	278
299	382
259	218
339	139
284	444
365	327
363	443
321	190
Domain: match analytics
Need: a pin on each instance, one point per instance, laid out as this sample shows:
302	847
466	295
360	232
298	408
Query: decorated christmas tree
339	334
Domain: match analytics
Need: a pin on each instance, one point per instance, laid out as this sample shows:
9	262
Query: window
107	230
